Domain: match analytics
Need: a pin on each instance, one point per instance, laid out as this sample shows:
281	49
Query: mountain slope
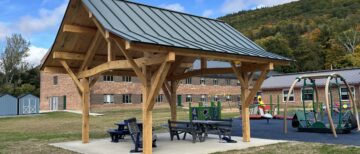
313	32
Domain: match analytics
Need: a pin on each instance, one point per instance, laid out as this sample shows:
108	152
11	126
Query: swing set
340	118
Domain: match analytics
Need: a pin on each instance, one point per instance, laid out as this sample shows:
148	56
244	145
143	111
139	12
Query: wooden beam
136	46
158	80
147	114
203	63
256	87
115	65
134	65
68	56
174	86
91	51
79	29
186	65
56	70
208	71
72	75
85	110
237	72
94	80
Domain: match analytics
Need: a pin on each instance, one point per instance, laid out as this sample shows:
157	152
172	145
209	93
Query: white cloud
4	30
231	6
175	7
47	18
35	55
207	13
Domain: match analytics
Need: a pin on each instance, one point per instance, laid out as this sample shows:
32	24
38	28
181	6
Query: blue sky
38	20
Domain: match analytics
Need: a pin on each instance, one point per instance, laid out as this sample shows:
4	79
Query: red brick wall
117	88
64	87
274	92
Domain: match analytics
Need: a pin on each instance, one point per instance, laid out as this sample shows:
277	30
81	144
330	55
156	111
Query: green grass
32	134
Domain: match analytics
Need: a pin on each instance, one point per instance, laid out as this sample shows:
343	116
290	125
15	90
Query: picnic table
121	131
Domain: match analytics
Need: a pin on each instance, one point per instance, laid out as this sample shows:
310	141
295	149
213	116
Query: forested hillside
318	34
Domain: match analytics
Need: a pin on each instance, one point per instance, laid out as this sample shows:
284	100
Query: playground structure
260	110
212	112
315	120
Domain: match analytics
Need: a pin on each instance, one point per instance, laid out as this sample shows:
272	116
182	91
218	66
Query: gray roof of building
147	24
352	76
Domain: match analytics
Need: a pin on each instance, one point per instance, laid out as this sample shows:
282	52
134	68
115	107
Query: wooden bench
178	127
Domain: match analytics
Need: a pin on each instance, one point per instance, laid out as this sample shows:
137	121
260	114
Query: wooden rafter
68	56
135	46
79	29
135	67
72	75
157	82
91	51
94	80
257	86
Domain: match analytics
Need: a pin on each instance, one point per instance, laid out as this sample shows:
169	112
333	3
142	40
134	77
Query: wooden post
245	115
85	110
147	114
173	100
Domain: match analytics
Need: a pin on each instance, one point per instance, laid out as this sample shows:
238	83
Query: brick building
58	92
279	85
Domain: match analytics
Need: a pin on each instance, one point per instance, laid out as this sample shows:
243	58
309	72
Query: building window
285	94
108	99
159	98
202	81
238	83
203	98
215	82
188	81
108	78
141	98
228	98
188	98
126	78
238	99
126	98
55	80
307	94
228	82
344	93
216	98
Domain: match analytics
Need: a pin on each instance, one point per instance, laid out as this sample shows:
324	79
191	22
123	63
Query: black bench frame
178	127
136	135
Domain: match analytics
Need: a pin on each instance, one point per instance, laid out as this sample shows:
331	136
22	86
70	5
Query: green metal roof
147	24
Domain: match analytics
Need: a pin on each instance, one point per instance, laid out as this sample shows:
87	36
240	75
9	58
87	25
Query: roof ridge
319	71
156	7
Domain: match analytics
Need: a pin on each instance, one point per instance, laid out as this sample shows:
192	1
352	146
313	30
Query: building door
26	106
179	100
54	103
32	105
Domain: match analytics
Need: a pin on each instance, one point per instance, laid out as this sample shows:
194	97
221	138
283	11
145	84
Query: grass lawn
32	134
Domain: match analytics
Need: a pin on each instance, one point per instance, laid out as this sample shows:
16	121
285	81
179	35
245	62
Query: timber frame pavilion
118	37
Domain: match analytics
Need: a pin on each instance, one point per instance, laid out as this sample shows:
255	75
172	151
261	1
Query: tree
350	39
12	63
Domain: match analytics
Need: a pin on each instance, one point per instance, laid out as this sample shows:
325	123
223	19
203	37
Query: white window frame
126	79
215	82
108	78
216	98
291	95
188	98
108	99
302	94
228	98
188	81
126	99
203	98
202	81
228	82
341	93
238	83
159	98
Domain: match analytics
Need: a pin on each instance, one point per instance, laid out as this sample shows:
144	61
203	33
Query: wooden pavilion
118	37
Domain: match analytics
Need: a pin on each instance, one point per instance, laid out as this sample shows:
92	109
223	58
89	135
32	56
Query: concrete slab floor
165	146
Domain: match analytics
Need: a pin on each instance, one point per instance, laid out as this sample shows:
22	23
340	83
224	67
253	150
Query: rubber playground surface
274	130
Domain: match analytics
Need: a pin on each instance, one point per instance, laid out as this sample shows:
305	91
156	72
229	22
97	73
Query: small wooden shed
8	105
28	104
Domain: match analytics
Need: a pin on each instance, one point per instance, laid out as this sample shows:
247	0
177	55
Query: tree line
318	34
16	75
